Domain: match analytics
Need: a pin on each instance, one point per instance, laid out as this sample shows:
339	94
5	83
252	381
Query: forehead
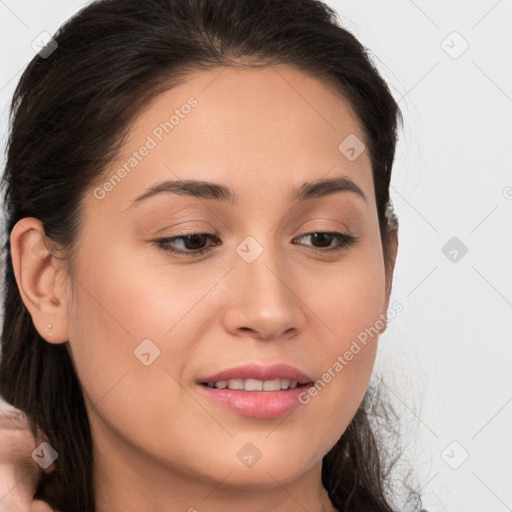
273	128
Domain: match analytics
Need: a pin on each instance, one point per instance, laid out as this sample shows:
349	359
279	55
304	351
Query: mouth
257	391
256	384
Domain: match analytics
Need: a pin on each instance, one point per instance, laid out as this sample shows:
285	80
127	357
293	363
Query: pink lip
259	372
257	404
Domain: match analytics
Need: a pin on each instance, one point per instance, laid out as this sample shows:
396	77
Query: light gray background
446	357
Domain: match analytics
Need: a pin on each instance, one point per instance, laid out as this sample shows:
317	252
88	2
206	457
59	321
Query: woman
200	258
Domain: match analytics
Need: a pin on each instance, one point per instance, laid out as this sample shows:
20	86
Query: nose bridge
263	269
265	302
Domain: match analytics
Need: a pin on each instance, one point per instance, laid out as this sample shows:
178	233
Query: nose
264	298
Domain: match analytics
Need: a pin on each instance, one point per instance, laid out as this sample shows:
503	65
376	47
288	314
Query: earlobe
35	269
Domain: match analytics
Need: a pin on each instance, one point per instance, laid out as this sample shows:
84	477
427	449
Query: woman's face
149	326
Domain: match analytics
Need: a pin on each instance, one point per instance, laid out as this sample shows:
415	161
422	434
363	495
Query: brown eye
322	240
193	243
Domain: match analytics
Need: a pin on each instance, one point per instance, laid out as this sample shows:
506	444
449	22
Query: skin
18	472
159	443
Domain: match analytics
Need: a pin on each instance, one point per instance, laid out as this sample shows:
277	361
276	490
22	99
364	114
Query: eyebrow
208	190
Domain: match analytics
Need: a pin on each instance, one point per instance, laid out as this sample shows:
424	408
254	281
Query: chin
248	468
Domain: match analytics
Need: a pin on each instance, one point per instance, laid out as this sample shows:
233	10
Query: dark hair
69	117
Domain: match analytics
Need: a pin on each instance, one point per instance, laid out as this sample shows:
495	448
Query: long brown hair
70	114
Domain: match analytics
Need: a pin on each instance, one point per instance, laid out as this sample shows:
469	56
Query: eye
324	239
193	244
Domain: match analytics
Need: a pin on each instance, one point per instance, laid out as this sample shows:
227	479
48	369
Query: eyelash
346	241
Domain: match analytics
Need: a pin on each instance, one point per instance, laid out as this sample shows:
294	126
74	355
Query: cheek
348	301
121	306
349	306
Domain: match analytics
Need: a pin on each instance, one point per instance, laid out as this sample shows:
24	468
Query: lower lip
257	404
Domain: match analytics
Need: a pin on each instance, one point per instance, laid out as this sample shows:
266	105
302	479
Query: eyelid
329	219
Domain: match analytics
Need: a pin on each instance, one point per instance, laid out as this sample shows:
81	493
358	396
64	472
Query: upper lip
259	372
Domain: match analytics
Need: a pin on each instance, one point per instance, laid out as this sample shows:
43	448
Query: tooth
272	385
236	384
253	385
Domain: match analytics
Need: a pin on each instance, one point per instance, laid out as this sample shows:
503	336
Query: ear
40	277
392	251
392	238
